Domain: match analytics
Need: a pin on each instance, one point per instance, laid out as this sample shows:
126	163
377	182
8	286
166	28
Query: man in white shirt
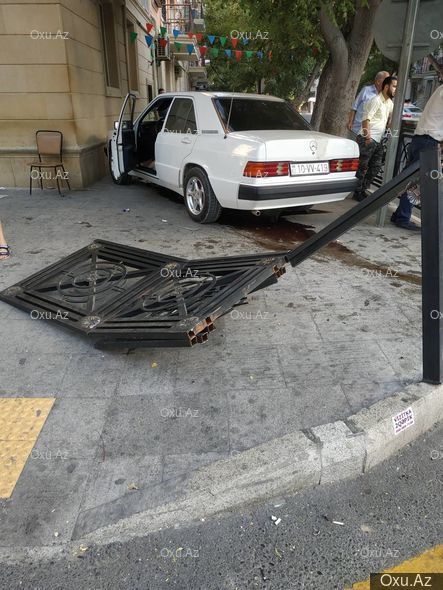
377	114
428	133
365	94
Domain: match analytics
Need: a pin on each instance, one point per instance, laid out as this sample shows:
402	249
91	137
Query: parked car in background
411	113
226	150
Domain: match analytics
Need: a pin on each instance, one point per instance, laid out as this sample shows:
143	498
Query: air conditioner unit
163	53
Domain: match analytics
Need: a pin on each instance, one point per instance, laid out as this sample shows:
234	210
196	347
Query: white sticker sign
403	420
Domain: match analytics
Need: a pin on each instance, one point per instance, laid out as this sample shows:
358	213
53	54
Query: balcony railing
182	16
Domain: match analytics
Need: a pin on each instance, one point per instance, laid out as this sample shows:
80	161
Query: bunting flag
203	50
163	42
133	37
149	27
260	55
270	55
178	45
190	48
238	55
211	39
249	54
199	37
190	35
228	52
163	31
149	39
245	40
234	42
214	51
176	33
223	41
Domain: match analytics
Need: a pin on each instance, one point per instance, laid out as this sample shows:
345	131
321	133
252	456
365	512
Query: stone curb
322	455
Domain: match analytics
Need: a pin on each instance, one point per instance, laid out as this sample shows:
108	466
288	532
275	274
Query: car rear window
251	114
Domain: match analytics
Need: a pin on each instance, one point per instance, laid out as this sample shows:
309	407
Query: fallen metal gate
125	297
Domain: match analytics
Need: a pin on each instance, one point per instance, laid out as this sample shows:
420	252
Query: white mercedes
226	150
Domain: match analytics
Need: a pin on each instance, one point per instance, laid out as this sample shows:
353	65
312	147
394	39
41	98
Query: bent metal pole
431	188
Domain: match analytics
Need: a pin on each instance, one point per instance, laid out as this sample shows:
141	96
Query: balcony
186	16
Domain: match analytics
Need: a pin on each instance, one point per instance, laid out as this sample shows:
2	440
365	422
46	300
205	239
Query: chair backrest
49	143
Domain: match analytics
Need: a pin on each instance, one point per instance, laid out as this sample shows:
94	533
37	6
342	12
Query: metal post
431	186
403	73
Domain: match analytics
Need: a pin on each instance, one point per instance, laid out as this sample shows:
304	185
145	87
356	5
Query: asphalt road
387	516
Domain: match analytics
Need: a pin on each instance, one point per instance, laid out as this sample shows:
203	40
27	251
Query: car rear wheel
200	200
124	178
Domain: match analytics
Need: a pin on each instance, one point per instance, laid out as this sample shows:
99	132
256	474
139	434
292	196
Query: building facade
67	65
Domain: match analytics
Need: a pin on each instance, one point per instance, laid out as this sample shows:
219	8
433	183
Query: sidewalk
126	431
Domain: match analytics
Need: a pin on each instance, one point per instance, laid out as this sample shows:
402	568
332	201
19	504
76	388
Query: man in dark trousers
428	133
377	114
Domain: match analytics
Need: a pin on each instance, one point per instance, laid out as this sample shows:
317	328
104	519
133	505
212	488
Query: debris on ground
132	486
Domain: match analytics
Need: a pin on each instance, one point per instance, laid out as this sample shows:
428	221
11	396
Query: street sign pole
431	187
403	73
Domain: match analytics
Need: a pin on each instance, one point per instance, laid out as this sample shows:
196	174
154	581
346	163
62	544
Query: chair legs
56	178
66	177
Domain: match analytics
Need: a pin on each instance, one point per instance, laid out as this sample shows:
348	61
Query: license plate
306	168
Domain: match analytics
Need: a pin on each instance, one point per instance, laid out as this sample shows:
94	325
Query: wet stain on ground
285	235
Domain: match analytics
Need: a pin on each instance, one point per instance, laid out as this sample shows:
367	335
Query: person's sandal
5	252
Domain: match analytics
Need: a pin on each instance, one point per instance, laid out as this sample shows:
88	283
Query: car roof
224	95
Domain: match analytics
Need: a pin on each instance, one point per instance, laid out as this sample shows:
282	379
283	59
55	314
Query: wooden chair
49	145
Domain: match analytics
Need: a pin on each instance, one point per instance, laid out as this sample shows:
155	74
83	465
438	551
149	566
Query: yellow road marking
430	561
21	420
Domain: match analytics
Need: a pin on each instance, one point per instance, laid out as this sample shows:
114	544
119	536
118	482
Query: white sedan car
226	150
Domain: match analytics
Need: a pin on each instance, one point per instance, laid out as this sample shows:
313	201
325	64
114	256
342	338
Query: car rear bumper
247	192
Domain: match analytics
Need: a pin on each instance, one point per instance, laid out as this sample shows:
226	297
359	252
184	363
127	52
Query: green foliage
291	44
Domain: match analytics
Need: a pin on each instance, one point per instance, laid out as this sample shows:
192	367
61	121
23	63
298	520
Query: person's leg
374	165
4	251
366	151
402	215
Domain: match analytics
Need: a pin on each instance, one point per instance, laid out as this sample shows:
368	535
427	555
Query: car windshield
252	114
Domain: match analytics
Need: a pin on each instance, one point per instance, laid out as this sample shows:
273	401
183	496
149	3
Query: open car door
122	145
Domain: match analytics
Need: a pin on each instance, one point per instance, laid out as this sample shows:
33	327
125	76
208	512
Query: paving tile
110	479
93	374
74	428
138	425
21	420
45	503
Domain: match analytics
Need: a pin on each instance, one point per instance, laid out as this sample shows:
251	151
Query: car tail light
266	169
407	116
348	165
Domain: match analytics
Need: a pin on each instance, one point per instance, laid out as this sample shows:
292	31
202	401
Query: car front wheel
200	200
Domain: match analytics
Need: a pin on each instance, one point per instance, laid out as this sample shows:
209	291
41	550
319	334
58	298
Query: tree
349	44
332	38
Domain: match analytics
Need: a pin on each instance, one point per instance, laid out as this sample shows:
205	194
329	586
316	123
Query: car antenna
229	117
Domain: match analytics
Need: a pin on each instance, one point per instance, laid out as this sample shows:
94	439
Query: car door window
181	117
158	111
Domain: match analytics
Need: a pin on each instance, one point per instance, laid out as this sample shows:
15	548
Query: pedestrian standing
5	251
377	114
428	133
365	94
